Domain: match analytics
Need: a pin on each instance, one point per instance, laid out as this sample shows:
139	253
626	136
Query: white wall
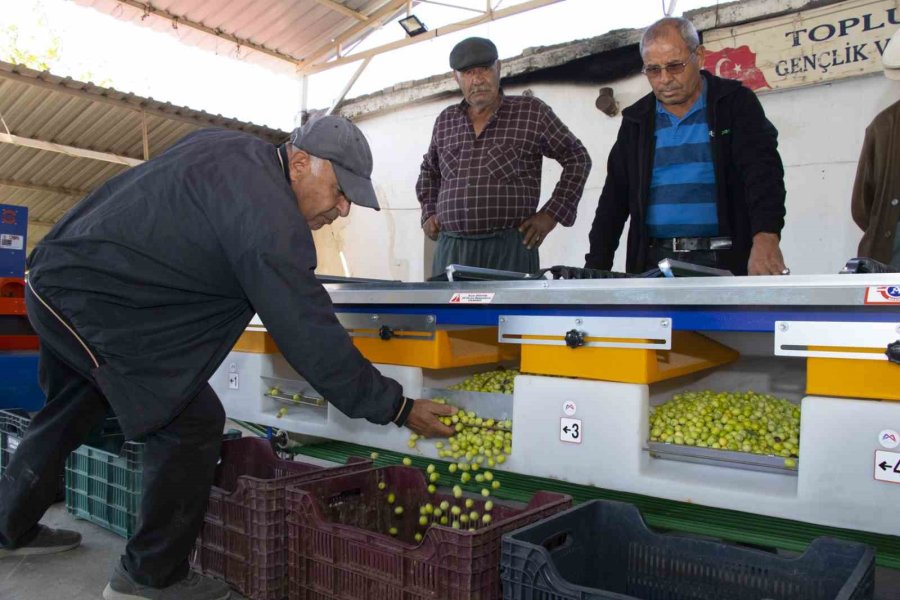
821	130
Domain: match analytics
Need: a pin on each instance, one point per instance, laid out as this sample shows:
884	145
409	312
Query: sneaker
193	587
47	541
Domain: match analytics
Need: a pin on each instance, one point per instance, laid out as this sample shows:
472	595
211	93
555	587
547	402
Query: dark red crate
340	548
244	536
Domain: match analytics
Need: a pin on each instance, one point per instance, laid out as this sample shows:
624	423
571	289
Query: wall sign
812	46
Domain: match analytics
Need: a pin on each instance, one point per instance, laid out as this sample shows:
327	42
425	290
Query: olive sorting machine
600	353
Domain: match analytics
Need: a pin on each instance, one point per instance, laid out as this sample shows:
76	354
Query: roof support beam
348	12
43	188
145	136
428	35
6	138
375	19
458	7
43	224
346	90
177	21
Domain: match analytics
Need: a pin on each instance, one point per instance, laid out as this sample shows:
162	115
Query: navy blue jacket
162	267
749	178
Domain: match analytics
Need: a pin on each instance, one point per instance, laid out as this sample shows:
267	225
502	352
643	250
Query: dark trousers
179	459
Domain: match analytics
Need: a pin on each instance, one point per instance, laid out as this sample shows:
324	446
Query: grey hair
685	29
316	164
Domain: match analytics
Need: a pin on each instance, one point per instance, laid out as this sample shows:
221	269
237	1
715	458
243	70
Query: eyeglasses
673	68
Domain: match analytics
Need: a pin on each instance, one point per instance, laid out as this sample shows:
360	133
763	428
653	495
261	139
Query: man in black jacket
695	166
139	293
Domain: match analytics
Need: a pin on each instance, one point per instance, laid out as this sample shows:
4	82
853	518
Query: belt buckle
720	244
677	247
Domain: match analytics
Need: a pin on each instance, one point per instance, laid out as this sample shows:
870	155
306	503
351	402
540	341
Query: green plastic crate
103	482
104	485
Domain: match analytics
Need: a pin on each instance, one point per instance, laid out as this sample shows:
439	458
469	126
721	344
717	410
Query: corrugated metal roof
285	34
41	106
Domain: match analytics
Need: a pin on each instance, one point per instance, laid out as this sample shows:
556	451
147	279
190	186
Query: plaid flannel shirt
493	181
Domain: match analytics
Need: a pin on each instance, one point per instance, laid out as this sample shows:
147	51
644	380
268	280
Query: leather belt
692	244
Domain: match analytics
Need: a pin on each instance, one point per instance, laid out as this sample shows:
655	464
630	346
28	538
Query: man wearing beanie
480	180
140	292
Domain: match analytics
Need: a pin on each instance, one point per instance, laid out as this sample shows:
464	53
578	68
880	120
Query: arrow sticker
570	431
887	466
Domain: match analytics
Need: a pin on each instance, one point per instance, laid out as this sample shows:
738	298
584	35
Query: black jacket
161	268
749	177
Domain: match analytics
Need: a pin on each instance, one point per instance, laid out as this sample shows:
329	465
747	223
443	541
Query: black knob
385	332
893	352
280	440
574	338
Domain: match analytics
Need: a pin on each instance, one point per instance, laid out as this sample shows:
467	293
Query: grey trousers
497	250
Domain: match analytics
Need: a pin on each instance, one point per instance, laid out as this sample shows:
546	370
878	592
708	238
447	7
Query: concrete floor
82	573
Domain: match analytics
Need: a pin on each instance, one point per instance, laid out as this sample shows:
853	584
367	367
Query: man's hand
423	419
536	228
765	256
431	227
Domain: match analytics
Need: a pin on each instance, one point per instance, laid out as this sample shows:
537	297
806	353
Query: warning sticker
883	294
9	241
472	298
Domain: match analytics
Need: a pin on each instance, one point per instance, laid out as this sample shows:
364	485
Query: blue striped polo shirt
683	186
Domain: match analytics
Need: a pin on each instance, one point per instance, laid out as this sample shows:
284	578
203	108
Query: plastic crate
104	480
244	535
340	547
103	484
13	425
603	550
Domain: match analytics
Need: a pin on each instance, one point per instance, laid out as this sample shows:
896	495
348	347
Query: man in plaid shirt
480	181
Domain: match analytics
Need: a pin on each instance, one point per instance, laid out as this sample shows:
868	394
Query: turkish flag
736	63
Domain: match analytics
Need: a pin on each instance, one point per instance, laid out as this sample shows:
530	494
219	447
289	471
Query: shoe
193	587
47	541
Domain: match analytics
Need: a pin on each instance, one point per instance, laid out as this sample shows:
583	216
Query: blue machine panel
13	238
687	318
19	382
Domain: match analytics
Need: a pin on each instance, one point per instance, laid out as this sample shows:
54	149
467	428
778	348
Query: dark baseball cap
338	140
473	52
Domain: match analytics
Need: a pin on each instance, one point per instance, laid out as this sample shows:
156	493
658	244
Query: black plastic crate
13	425
603	550
15	422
